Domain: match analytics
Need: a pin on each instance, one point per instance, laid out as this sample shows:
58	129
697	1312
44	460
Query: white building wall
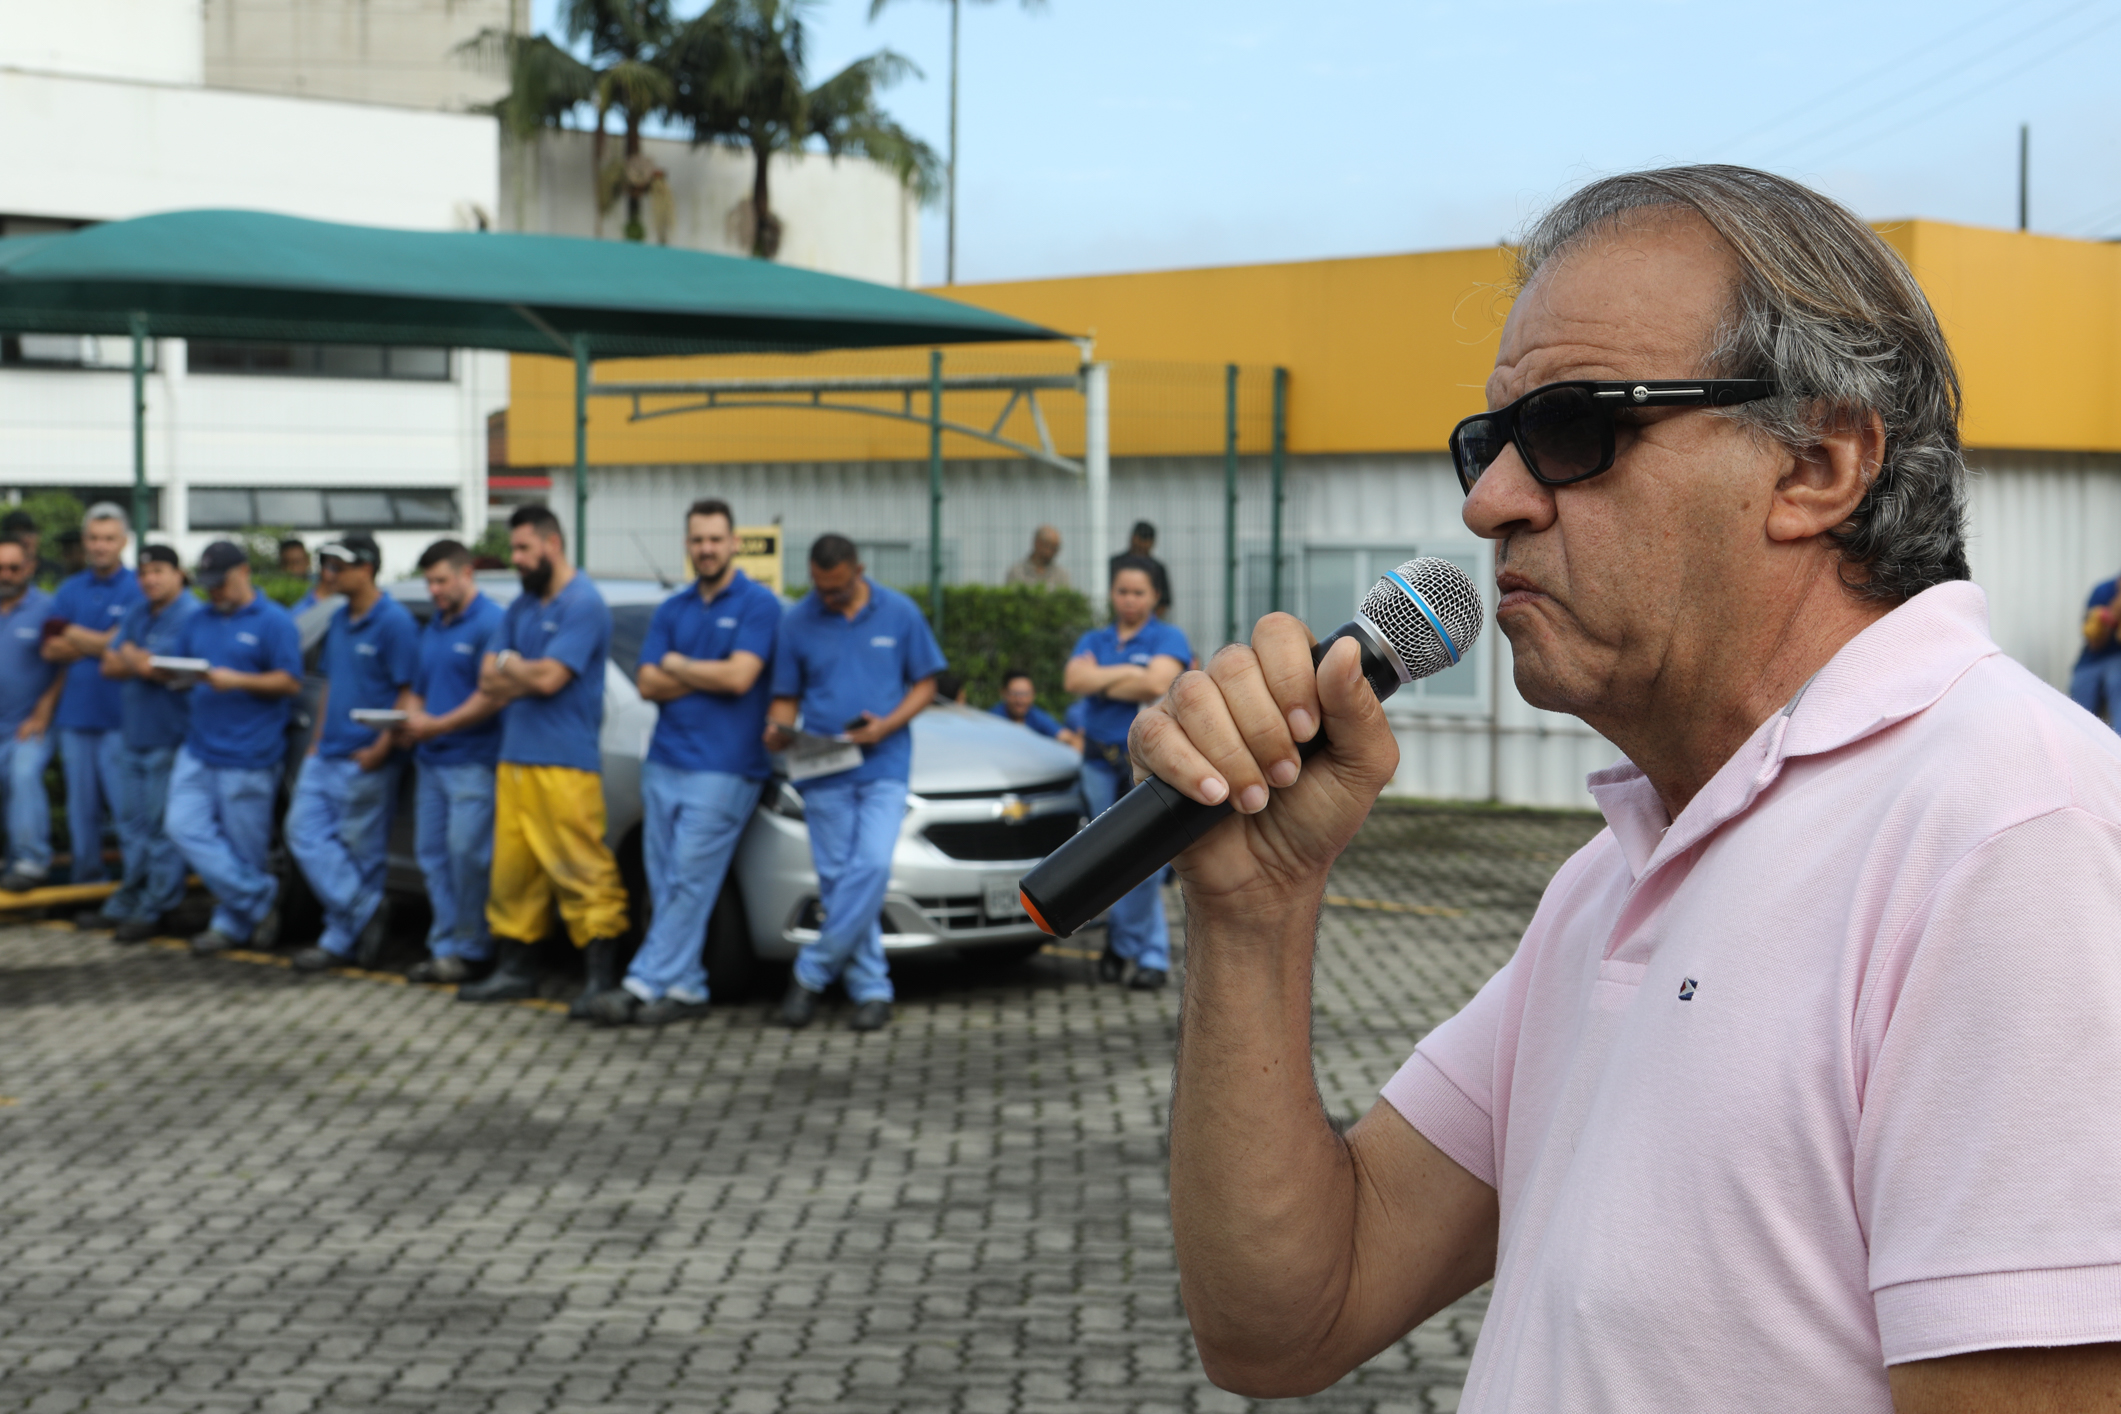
150	41
847	217
366	51
2044	528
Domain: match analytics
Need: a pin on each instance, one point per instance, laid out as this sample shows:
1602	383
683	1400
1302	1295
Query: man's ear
1826	482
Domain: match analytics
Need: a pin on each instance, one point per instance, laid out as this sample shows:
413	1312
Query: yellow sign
758	554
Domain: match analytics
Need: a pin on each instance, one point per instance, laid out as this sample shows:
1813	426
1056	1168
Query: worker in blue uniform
152	722
90	717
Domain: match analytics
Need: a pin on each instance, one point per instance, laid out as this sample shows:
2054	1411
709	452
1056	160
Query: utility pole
950	239
2025	163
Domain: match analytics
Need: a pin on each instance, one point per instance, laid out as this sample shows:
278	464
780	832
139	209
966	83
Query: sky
1113	135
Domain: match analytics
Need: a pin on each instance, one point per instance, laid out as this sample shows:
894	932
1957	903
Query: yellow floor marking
52	895
1379	905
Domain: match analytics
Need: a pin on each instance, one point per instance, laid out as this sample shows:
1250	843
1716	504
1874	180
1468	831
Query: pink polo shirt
1823	1077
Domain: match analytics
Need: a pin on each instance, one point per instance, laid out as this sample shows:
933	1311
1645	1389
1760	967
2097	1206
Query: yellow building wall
1384	354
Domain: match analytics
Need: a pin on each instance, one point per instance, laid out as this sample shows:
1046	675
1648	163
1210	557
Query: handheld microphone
1418	620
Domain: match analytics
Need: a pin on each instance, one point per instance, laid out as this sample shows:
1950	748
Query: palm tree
739	71
876	7
628	42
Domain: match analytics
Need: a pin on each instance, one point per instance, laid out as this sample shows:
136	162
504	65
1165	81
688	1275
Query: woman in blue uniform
1117	668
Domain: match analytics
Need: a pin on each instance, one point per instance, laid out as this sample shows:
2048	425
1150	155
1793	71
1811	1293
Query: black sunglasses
1564	431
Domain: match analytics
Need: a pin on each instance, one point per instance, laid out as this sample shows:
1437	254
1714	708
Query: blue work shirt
93	702
152	716
367	662
447	673
23	672
240	730
1108	721
1077	717
574	629
1038	719
710	731
2102	596
837	669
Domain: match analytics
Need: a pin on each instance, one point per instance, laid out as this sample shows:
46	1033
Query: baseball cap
217	560
358	548
161	555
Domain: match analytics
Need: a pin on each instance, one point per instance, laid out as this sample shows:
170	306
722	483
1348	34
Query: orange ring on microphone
1036	917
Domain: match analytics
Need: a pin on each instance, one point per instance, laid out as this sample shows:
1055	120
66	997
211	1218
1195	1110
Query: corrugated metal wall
2045	527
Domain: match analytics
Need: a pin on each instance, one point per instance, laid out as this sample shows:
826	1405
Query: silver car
987	800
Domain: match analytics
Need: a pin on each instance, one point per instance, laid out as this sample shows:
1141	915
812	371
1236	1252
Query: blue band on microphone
1426	612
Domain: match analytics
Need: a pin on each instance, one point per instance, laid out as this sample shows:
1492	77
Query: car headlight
783	800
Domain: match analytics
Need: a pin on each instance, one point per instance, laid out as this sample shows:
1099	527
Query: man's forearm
1262	1190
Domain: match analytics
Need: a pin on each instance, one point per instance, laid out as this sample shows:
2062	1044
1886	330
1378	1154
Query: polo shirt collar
256	605
737	580
1895	668
818	603
452	620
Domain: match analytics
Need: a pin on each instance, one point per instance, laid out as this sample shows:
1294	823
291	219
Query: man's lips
1516	591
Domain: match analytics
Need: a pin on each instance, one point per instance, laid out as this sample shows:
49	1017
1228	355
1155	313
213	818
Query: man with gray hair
1039	568
1799	1092
91	718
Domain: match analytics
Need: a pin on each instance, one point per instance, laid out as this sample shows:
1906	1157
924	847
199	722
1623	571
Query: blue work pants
29	809
89	761
690	824
2096	687
1135	925
453	837
338	830
220	819
154	871
854	828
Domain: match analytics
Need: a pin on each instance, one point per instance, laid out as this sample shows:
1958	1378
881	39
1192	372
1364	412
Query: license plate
1004	902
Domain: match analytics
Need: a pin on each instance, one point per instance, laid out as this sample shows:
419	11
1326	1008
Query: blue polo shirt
23	672
1108	721
708	731
93	702
447	673
1038	719
152	716
367	661
837	670
2103	594
240	730
575	629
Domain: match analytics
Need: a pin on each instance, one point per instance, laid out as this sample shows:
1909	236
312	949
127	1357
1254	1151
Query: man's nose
1508	497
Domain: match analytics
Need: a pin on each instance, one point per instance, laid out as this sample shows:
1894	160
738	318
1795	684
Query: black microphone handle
1152	824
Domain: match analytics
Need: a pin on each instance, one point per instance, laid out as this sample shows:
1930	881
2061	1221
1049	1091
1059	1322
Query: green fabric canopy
253	275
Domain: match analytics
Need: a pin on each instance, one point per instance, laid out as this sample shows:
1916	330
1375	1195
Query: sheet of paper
193	666
812	756
377	716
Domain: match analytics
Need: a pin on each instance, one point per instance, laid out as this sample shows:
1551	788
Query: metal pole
2025	162
139	332
1280	455
581	451
1097	461
935	490
950	238
1230	504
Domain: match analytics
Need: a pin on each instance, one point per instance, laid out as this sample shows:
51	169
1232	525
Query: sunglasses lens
1570	437
1474	446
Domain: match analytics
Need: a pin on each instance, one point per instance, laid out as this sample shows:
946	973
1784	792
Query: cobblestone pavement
227	1187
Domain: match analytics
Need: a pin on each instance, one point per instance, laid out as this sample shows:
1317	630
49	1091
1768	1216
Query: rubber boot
601	966
513	978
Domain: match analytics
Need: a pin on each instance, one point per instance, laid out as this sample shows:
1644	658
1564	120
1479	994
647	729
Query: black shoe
870	1016
135	930
513	979
1148	979
212	943
613	1008
665	1010
446	970
798	1006
20	881
1110	965
94	920
368	948
600	966
266	936
314	959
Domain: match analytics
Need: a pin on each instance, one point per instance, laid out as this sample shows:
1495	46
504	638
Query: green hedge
989	629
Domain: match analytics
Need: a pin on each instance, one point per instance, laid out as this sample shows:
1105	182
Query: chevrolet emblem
1013	809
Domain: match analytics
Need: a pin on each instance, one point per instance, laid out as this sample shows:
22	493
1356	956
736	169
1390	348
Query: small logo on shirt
117	611
249	638
29	633
1686	989
883	640
548	627
1139	659
367	648
725	623
464	648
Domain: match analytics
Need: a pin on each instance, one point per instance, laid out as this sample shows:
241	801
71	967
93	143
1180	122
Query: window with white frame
1324	585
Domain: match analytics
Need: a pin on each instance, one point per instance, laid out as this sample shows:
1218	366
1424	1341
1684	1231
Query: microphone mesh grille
1450	595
